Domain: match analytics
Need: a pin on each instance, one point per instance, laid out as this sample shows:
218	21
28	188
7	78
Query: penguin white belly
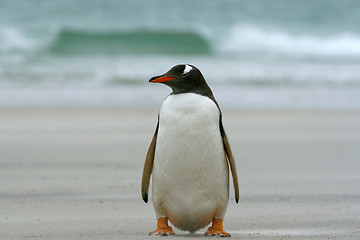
190	178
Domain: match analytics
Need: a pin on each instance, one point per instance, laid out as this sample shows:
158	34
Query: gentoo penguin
188	157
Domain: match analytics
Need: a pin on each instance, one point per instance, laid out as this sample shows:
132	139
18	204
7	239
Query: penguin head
183	78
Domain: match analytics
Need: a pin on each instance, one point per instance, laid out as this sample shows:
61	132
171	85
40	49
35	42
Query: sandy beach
74	173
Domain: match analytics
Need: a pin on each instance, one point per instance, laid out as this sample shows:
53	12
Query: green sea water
74	42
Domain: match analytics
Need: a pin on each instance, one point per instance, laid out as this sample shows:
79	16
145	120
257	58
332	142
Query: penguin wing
148	166
231	160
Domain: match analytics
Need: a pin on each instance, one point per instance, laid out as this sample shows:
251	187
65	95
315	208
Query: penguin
189	157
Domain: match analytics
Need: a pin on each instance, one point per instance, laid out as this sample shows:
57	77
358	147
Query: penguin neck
203	91
197	91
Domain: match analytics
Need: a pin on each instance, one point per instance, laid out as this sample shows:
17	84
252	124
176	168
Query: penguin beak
160	79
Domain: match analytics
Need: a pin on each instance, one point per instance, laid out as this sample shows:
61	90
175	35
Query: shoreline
145	95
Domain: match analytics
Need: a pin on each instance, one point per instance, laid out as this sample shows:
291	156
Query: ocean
253	53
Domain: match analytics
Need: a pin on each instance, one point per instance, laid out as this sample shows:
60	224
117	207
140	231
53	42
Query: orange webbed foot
163	229
217	229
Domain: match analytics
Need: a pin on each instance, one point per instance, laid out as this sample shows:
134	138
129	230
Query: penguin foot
217	229
163	229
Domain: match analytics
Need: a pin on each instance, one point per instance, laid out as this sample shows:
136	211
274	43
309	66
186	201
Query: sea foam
248	39
12	39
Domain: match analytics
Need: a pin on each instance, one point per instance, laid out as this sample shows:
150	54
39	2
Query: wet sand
74	173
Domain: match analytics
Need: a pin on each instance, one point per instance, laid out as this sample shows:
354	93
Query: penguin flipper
148	166
231	161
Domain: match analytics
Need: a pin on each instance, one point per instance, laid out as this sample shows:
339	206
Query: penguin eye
187	69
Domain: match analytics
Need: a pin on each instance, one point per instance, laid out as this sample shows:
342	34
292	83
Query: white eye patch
187	69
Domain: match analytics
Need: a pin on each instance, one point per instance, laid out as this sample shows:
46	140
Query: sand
74	173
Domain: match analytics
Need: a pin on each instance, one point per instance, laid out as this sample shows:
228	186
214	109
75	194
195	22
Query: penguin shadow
191	235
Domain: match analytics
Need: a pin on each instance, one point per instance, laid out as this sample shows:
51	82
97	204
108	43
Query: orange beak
160	79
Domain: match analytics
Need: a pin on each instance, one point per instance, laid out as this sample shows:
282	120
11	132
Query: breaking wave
240	40
247	39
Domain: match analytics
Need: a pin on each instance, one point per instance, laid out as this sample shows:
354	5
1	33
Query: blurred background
77	112
254	54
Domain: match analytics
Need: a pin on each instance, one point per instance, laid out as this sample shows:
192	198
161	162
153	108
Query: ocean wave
248	39
16	46
242	41
69	41
14	40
